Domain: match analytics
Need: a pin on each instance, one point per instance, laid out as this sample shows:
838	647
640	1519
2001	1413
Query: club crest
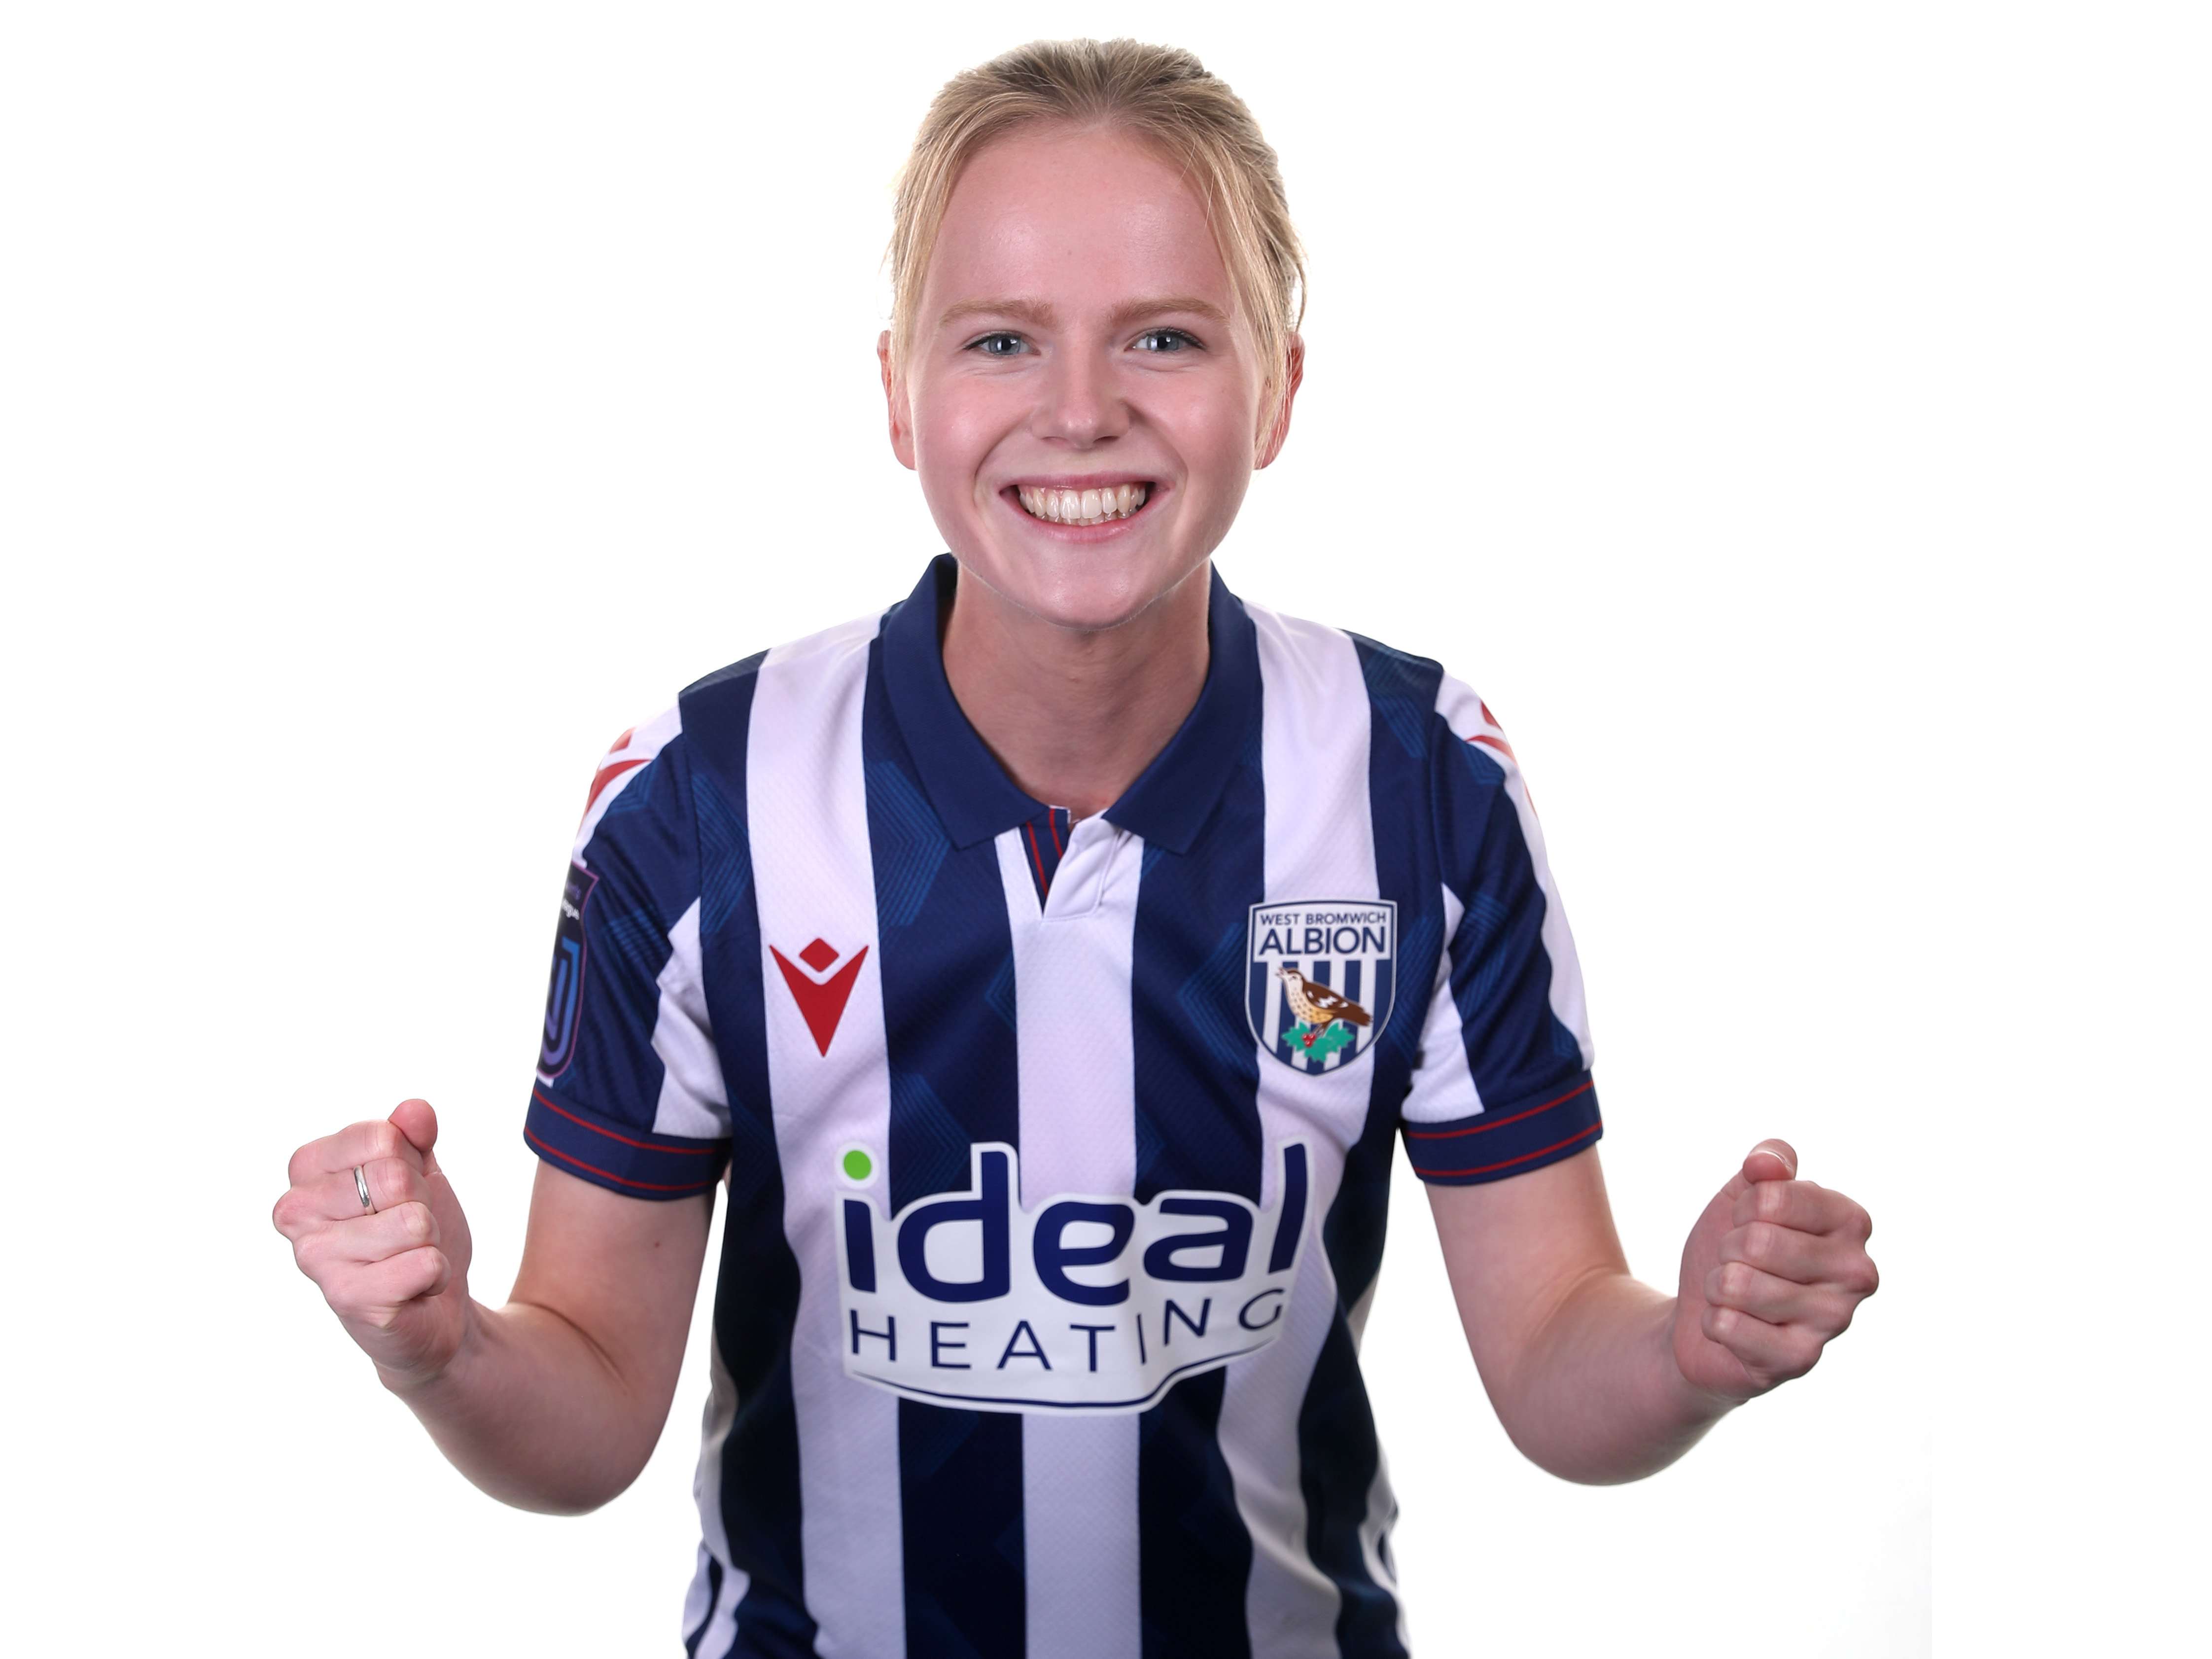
1319	979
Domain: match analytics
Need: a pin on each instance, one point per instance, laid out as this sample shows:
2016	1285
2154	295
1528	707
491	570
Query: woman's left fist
1774	1269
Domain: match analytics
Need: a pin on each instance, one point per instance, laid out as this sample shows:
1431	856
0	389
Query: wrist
1610	1401
1697	1404
433	1374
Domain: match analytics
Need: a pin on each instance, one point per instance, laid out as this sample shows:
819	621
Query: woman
1048	964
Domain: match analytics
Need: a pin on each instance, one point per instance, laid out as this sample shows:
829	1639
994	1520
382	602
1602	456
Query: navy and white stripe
823	941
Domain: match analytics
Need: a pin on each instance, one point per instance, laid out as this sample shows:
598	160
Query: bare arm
553	1402
1600	1378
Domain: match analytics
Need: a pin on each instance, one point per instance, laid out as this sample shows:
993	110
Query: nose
1079	405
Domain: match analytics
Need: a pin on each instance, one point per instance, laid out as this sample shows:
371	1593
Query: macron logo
821	1000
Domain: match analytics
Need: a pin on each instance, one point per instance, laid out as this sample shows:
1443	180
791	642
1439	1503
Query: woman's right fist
394	1269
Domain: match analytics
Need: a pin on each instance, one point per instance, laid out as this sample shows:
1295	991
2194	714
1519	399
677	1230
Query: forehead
1075	219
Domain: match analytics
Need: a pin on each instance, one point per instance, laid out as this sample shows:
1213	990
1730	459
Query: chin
1075	589
1096	606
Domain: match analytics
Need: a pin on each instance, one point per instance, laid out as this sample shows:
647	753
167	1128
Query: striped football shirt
1056	1153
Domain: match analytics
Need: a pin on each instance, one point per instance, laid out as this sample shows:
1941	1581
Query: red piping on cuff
609	1175
1437	1174
538	1096
1498	1123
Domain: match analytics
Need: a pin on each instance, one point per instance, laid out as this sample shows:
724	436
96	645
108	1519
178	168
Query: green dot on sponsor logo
857	1164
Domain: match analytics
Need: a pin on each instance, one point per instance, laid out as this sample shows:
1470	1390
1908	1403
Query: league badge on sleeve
1319	979
564	992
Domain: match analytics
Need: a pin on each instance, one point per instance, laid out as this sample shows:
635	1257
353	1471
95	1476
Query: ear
896	403
1294	375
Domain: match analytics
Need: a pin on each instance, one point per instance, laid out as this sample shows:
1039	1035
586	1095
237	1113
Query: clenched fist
394	1269
1774	1268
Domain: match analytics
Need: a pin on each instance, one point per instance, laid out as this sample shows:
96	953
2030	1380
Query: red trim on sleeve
609	1175
1497	1123
538	1094
1507	1164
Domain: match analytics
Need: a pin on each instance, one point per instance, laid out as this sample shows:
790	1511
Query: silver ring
361	1186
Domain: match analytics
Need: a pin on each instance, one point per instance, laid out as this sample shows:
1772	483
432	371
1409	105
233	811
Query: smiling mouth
1083	506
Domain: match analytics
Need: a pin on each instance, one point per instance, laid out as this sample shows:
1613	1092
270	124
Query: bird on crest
1317	1005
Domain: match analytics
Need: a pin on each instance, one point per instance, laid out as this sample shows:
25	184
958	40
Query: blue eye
1165	340
1000	345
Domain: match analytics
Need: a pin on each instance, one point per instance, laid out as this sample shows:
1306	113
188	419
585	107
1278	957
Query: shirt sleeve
628	1093
1504	1085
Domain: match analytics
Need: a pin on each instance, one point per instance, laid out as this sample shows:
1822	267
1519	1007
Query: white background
1793	420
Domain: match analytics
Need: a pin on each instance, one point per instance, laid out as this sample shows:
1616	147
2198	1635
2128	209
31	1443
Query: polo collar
975	799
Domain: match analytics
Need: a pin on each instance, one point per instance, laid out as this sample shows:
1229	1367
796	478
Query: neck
1073	715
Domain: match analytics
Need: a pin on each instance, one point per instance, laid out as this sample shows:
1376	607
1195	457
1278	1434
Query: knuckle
437	1271
414	1274
415	1224
395	1183
1825	1312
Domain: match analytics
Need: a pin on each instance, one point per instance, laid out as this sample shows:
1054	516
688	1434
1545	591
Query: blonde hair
1161	94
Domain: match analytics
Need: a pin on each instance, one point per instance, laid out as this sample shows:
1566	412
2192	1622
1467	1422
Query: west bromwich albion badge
1319	976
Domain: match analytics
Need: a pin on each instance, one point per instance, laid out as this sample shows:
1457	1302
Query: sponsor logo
1083	1304
564	993
1321	976
821	995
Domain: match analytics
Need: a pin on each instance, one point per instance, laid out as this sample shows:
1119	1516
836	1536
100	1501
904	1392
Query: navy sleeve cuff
620	1157
1506	1140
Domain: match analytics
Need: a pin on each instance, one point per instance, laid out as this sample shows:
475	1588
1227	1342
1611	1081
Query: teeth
1084	506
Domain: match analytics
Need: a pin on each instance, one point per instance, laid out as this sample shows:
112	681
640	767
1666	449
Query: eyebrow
1034	312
